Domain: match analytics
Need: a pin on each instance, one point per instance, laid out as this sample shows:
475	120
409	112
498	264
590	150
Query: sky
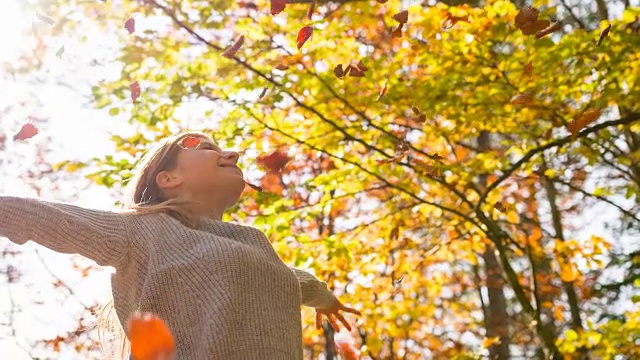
78	132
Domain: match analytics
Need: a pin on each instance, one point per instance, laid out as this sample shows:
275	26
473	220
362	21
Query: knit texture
222	289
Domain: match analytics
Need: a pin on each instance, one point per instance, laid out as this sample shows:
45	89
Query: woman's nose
232	155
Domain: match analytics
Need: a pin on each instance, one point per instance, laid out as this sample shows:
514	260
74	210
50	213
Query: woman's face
206	171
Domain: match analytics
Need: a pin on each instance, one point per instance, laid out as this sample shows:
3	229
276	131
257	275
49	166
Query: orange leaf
150	337
557	313
190	142
231	52
303	35
402	17
383	91
277	6
583	120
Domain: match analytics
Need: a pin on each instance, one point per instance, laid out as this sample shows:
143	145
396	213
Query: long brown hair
145	197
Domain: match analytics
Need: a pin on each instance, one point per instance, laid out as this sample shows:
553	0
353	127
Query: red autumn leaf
355	72
347	350
282	67
231	52
303	35
527	21
190	142
312	8
130	25
135	91
150	337
522	99
500	207
583	120
274	162
277	6
383	91
603	34
415	110
27	131
553	28
528	69
361	66
402	17
397	32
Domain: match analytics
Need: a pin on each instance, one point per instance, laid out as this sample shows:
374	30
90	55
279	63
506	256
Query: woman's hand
332	313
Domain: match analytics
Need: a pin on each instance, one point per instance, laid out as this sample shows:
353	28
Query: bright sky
79	132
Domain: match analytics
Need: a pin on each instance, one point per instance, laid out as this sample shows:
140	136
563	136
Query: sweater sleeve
315	293
98	235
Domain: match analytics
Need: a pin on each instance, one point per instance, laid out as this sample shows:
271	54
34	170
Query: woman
220	287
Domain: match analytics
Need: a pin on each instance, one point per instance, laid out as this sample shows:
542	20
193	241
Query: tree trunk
497	323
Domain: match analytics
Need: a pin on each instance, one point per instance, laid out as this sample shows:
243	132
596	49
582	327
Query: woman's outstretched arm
98	235
315	292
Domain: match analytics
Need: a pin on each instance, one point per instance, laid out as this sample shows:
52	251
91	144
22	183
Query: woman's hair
145	197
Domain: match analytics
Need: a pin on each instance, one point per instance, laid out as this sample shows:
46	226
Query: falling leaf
500	207
45	18
60	52
527	21
282	67
553	28
338	72
263	93
231	52
357	70
522	99
130	25
488	342
303	35
135	91
312	8
451	20
254	187
190	142
277	6
150	337
415	110
583	120
402	17
397	32
603	34
528	69
274	162
27	131
383	91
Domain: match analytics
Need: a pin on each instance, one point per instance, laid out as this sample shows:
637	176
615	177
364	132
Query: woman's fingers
343	321
350	310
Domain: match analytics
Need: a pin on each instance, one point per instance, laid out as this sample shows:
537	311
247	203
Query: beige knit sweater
222	289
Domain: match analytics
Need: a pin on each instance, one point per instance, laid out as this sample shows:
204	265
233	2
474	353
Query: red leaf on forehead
190	142
274	162
303	35
26	132
277	6
130	25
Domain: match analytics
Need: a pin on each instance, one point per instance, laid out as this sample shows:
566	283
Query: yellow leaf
487	342
567	273
513	217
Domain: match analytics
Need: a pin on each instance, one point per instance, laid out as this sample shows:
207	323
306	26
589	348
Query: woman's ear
168	180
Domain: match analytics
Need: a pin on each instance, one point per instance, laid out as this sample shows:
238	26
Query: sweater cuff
315	293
